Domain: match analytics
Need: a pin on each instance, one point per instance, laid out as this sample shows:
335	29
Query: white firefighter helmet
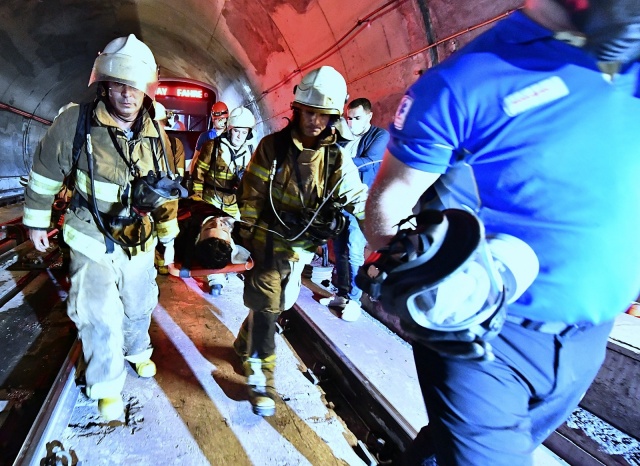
323	90
241	117
129	61
161	111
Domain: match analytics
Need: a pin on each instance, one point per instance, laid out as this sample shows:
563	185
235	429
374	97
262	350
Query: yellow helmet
127	60
322	90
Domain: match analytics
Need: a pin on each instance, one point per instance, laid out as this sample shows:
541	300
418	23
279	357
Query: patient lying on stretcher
204	247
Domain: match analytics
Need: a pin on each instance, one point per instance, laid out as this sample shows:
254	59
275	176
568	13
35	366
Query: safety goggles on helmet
219	109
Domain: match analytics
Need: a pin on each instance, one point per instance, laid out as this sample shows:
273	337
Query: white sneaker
351	311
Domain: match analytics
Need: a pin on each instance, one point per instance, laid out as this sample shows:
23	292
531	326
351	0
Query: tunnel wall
19	137
253	51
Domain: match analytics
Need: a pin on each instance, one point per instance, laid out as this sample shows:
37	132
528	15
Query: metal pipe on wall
17	111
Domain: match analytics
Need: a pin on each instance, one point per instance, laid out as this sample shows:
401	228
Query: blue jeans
348	248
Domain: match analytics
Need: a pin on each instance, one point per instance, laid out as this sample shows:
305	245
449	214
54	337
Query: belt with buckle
556	328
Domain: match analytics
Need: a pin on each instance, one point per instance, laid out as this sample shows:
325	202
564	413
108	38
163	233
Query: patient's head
214	245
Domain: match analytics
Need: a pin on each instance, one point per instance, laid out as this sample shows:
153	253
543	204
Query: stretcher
177	270
215	286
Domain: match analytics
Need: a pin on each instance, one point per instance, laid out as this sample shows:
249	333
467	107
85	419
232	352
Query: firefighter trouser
267	292
110	302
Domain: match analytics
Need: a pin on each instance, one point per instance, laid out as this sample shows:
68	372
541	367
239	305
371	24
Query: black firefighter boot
261	361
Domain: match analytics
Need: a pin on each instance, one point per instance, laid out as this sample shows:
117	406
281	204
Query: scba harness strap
171	188
320	222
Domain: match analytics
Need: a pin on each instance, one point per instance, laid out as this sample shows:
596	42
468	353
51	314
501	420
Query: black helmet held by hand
438	280
151	191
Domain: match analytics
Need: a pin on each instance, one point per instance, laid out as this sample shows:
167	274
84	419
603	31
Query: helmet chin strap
114	113
118	117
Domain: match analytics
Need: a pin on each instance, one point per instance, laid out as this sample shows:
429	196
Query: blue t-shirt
204	137
554	147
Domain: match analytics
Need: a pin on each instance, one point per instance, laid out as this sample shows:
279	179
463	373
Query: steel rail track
383	434
55	413
382	431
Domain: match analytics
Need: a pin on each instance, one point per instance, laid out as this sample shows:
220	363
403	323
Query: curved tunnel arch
253	52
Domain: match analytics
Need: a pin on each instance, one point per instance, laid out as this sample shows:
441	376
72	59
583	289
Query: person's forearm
394	193
385	208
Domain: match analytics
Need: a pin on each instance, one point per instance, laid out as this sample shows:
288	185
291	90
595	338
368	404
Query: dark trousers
348	248
497	413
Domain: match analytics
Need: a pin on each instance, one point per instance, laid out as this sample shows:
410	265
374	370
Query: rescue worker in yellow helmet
292	193
123	180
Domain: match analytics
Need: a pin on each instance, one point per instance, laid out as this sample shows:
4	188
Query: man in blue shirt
366	149
542	112
219	116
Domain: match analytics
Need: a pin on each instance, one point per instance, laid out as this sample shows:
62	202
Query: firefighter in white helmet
223	160
219	168
125	201
291	195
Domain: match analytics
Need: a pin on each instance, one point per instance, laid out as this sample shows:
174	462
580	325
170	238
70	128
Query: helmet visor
125	70
468	296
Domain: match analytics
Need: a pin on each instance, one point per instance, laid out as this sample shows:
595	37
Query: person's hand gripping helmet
322	90
447	284
129	61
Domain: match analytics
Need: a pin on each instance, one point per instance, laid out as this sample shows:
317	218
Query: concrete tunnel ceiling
251	51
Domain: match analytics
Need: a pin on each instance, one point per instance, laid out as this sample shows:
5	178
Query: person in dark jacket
370	141
366	149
